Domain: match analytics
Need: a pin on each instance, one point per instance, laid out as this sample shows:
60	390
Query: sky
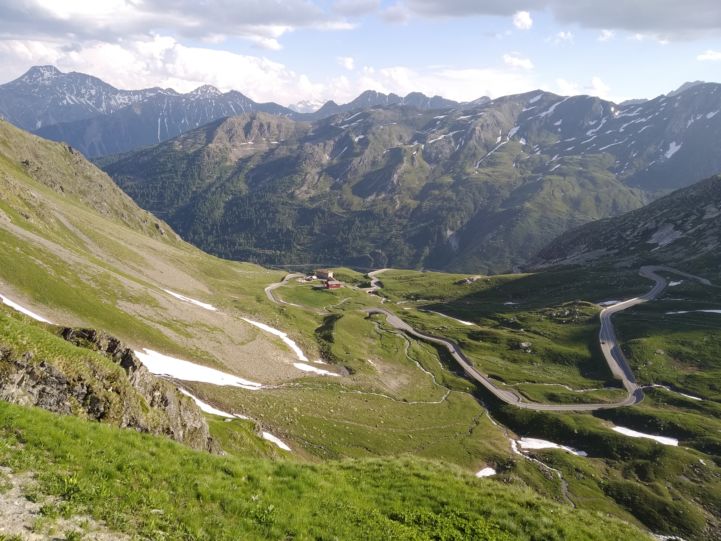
291	51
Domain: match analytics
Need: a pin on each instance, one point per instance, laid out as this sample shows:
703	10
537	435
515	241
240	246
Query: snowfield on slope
303	365
635	434
15	306
183	298
534	443
276	440
486	472
207	408
164	365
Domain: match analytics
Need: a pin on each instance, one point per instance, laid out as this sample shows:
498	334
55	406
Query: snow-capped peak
205	91
38	74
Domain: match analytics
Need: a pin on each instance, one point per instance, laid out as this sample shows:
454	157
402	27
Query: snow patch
280	334
308	368
467	323
673	148
486	472
665	235
207	408
553	107
692	311
183	298
164	365
276	440
534	443
15	306
635	434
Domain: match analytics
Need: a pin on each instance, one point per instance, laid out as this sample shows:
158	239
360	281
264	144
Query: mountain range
408	181
99	119
309	393
480	187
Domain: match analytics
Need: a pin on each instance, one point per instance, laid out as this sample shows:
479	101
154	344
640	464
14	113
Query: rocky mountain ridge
481	187
141	402
99	119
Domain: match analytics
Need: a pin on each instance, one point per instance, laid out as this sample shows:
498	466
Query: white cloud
606	35
563	36
462	84
515	60
163	61
599	88
347	62
522	20
263	23
709	56
567	88
355	8
596	87
666	19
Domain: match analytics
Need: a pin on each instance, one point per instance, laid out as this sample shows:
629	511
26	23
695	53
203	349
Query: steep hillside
72	243
293	371
384	187
682	229
153	489
94	376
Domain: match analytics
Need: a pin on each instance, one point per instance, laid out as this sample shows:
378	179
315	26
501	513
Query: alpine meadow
360	270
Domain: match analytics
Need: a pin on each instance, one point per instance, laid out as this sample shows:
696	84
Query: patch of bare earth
21	517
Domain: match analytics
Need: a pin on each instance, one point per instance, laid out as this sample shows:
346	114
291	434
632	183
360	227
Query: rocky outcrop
139	401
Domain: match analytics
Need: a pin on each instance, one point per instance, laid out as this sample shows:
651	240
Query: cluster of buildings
327	277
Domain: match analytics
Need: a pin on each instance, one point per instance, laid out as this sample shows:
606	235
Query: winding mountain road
272	287
611	349
617	362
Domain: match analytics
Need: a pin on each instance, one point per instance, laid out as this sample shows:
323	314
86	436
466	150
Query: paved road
269	290
375	281
610	347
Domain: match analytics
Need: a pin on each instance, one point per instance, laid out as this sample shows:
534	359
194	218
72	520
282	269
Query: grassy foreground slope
150	488
156	489
78	251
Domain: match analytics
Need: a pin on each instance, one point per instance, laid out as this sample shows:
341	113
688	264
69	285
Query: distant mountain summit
44	95
99	119
371	98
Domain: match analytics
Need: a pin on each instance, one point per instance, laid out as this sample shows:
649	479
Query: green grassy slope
155	489
682	229
396	397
